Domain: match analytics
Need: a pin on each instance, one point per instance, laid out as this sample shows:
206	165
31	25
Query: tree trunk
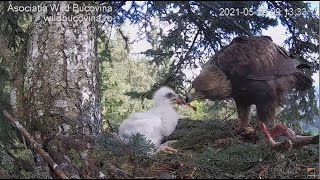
62	74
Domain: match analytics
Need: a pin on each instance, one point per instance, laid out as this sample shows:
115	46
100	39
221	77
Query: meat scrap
181	101
292	141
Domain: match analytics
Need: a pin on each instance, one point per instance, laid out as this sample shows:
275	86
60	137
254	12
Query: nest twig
37	146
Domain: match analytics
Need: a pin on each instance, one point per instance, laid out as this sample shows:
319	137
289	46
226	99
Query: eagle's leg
243	113
266	113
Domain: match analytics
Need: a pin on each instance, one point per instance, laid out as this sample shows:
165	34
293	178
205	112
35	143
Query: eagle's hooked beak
191	96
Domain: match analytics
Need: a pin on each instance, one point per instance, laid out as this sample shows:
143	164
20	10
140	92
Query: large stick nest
206	149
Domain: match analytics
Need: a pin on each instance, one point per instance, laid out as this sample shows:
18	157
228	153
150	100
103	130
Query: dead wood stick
37	146
39	159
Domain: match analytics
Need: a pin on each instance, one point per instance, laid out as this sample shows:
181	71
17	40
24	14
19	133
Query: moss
76	159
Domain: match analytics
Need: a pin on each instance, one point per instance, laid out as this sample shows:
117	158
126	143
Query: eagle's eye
169	95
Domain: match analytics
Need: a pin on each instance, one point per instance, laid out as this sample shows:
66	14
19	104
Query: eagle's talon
239	125
243	129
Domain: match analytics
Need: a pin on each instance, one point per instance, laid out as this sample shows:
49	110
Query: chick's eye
169	95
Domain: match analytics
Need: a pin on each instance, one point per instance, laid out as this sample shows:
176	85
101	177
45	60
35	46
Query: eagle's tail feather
302	81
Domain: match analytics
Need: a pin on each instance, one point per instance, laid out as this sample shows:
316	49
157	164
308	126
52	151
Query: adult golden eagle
252	70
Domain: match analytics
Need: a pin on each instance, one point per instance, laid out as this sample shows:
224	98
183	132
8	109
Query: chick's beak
179	100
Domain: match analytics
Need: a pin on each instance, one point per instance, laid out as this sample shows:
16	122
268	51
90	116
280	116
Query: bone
292	141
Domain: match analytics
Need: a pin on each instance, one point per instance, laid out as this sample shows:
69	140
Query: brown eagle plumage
252	70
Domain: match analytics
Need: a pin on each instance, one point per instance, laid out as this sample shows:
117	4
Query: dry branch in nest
215	152
39	160
37	146
57	152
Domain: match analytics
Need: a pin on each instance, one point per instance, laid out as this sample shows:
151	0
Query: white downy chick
156	123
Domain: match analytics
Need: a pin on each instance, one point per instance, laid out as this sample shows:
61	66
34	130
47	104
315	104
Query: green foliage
195	31
38	174
119	77
303	42
13	29
301	107
194	135
236	158
7	131
223	110
14	25
76	157
138	147
127	86
7	162
18	163
202	112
